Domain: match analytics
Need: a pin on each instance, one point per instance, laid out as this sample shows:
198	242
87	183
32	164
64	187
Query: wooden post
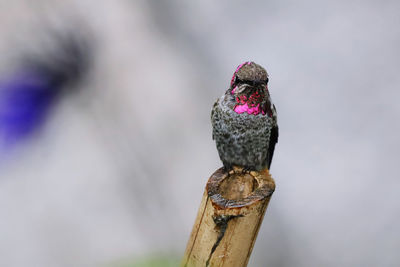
228	220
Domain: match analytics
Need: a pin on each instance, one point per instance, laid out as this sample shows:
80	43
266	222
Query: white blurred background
118	170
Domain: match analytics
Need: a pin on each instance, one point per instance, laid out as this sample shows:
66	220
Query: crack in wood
221	223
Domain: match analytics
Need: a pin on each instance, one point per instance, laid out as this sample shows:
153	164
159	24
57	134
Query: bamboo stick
228	220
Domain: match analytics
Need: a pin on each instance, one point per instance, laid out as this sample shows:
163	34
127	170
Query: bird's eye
266	81
237	80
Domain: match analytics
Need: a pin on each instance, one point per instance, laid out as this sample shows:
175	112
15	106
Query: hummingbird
244	120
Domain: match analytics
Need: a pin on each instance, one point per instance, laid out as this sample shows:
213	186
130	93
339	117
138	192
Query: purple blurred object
25	100
27	96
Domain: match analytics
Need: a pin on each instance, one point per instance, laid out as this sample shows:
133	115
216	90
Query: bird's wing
273	138
215	106
272	142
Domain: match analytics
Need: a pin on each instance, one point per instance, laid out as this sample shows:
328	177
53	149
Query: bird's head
249	86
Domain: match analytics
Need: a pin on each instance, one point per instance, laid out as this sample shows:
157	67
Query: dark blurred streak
69	61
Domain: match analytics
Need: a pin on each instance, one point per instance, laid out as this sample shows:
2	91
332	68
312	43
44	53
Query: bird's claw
246	170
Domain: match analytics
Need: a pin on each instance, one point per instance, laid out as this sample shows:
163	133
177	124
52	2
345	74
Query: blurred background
110	168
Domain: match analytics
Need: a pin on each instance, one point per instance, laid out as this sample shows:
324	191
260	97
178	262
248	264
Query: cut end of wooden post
229	218
239	189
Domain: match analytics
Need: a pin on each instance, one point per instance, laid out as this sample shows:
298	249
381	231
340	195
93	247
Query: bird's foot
229	169
246	170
